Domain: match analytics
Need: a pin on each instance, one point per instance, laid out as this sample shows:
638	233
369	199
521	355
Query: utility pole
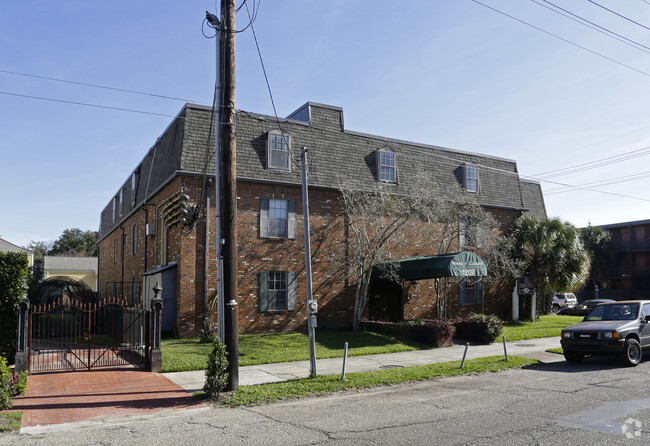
229	191
312	305
226	186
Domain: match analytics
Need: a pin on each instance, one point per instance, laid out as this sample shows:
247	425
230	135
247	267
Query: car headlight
566	335
610	335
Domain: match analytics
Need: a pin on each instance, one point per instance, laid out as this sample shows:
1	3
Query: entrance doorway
385	301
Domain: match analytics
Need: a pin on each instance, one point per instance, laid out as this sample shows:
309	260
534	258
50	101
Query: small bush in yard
216	376
6	393
437	332
481	328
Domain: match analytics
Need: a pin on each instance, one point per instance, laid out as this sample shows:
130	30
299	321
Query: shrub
209	331
5	385
216	376
481	328
437	332
13	274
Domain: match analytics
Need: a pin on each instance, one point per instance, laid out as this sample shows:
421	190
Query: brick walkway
65	397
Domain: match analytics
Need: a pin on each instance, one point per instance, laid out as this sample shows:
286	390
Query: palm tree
553	253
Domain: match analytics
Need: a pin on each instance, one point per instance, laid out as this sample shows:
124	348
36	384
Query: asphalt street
597	402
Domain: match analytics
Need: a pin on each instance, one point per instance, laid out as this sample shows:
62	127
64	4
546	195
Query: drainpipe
122	280
207	254
146	222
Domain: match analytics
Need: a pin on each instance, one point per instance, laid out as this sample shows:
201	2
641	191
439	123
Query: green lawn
325	384
191	354
546	326
10	421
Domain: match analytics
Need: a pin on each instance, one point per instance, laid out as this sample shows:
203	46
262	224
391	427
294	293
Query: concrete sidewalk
266	373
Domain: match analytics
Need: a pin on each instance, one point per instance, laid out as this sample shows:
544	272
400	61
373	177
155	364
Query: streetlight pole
312	305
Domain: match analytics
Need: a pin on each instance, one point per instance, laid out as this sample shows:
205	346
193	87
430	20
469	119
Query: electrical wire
563	39
86	84
589	24
596	163
619	15
268	86
607	182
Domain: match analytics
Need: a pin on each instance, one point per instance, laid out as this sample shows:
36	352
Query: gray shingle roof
334	153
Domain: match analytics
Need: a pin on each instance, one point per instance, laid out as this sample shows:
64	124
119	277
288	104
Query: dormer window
114	207
387	165
121	203
471	178
278	150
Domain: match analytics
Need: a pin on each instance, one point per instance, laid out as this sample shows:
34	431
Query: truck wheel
574	357
631	354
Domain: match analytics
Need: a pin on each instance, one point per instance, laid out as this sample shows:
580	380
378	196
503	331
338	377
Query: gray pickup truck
615	328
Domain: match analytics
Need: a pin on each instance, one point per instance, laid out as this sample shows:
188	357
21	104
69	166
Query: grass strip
546	326
10	421
191	354
558	350
327	384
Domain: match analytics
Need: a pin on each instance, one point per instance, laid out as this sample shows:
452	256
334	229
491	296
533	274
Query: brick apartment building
142	242
628	274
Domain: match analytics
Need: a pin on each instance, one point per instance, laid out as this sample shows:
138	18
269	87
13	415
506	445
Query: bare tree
373	219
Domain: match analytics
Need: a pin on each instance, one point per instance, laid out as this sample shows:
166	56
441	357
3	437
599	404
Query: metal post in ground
345	358
462	363
505	350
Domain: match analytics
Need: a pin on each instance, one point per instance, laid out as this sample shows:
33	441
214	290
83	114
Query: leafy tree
553	252
75	242
598	242
40	250
13	274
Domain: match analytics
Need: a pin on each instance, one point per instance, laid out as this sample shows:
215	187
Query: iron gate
70	335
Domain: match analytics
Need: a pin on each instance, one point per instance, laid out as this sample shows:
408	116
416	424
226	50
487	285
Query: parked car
563	300
614	328
583	307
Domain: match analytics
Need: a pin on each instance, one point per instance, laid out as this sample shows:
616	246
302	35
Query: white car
563	300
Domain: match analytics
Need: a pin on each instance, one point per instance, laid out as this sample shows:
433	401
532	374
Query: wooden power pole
229	191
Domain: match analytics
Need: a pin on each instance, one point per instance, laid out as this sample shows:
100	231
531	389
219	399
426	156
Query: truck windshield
616	312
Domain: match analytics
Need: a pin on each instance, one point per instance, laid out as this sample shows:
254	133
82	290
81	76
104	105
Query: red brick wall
335	294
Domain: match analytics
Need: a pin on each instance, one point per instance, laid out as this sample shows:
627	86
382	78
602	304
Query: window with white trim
277	218
277	291
470	174
386	160
278	150
121	202
469	234
114	208
115	250
471	291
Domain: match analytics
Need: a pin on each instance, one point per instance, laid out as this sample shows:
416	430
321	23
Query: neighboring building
82	269
628	276
141	239
5	246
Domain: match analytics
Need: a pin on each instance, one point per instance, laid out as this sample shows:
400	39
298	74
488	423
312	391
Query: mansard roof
335	154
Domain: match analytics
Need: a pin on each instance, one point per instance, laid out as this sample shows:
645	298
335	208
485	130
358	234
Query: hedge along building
142	240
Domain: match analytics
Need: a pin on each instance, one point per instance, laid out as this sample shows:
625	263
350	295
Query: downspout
207	255
146	222
122	280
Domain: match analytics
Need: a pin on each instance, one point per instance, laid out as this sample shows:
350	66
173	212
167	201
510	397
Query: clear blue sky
448	73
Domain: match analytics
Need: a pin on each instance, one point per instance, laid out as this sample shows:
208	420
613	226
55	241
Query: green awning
460	264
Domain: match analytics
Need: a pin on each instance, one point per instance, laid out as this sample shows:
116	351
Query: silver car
615	328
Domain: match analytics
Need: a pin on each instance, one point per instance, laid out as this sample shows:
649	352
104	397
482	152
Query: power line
596	163
589	24
105	87
619	15
563	39
86	104
608	182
